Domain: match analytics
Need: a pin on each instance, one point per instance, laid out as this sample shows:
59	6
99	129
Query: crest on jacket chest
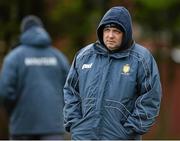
126	69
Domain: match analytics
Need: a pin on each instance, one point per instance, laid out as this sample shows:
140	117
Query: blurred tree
160	17
11	14
8	24
75	20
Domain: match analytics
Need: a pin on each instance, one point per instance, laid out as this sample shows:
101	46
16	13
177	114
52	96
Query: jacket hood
29	21
35	36
120	16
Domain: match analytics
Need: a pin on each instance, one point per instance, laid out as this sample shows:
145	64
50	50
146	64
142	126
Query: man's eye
106	29
116	30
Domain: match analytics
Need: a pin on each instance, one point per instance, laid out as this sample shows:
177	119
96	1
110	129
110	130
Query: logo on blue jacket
126	69
86	66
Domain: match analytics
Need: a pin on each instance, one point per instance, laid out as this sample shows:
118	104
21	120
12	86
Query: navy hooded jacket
112	95
31	83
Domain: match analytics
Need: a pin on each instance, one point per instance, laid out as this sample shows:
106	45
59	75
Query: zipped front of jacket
104	60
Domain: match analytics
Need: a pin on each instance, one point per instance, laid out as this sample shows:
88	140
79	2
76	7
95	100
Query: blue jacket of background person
31	84
112	95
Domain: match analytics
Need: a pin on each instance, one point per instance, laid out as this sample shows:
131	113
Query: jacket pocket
115	114
88	108
118	109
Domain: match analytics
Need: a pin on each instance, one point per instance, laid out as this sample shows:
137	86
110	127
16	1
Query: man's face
112	37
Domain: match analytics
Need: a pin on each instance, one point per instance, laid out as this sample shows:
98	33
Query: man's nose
111	34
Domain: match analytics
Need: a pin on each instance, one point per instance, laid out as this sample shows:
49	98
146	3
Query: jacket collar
101	49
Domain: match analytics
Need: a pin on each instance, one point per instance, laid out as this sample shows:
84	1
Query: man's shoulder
55	51
140	51
85	50
14	52
13	56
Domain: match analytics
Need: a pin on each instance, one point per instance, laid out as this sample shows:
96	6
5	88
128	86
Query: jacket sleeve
8	80
147	105
72	108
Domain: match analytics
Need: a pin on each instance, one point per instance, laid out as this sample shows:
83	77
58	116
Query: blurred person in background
31	85
113	88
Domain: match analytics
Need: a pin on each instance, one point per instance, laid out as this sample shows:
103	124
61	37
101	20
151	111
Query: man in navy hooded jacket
31	84
113	88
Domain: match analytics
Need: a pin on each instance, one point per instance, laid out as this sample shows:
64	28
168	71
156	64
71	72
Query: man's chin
112	48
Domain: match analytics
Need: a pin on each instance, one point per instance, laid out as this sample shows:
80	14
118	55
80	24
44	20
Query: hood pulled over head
33	32
118	16
30	21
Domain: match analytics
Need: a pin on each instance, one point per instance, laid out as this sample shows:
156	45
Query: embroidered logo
126	69
86	66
